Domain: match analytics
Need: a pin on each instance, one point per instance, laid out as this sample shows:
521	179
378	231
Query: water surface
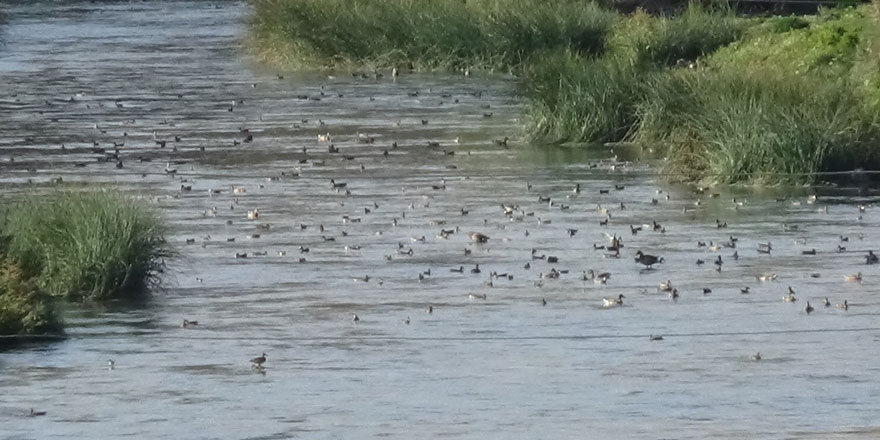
79	73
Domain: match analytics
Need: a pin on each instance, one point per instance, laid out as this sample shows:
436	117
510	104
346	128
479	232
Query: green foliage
667	41
826	46
731	128
23	308
87	245
582	100
435	34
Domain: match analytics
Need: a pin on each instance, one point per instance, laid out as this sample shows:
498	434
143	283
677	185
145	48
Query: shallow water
503	367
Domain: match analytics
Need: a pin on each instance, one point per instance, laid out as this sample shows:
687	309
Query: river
76	73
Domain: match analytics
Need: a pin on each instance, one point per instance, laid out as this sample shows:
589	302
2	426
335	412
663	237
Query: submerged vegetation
723	97
75	245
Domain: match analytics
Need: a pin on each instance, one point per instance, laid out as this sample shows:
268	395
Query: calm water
503	367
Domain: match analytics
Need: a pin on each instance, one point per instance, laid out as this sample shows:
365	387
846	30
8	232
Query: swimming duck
459	270
766	277
844	305
855	277
36	413
476	269
355	318
871	258
647	260
756	356
187	323
481	296
825	302
612	302
789	297
674	294
258	361
809	309
665	286
655	338
477	237
601	278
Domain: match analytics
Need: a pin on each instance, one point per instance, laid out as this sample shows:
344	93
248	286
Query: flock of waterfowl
610	212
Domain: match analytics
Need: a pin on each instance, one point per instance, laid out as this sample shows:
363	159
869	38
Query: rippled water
503	367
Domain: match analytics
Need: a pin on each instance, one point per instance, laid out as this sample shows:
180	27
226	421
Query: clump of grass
729	128
24	309
87	245
582	100
424	35
669	40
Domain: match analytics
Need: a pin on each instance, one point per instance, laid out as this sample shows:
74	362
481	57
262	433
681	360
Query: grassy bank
449	34
722	97
86	244
770	100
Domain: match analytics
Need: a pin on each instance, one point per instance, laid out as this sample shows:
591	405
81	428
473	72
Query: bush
87	245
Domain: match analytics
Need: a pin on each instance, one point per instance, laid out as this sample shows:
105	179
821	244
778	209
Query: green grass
449	34
730	128
24	309
86	244
582	100
725	98
786	97
678	39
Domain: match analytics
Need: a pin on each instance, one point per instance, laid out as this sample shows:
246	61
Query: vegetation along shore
721	97
75	246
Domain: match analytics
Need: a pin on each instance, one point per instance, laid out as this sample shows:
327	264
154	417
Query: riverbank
722	98
76	246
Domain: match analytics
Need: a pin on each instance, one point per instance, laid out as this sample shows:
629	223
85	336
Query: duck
253	215
871	258
766	277
789	297
674	294
853	278
655	337
665	286
612	302
187	323
258	361
600	278
476	269
756	356
355	318
844	305
36	413
809	309
826	303
478	237
459	270
481	296
647	260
